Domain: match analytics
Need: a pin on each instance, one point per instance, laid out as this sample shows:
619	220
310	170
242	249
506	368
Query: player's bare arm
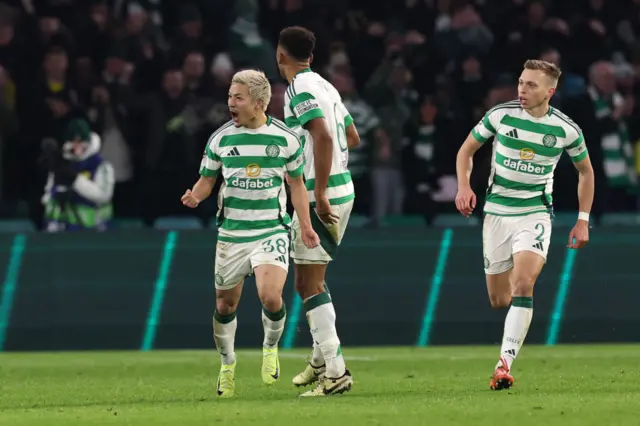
322	157
353	138
200	192
579	236
300	201
466	199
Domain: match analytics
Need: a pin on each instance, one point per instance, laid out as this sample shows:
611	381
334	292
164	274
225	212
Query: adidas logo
513	134
538	246
234	152
282	259
511	352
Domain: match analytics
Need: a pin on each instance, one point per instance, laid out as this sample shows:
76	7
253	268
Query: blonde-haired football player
529	136
255	154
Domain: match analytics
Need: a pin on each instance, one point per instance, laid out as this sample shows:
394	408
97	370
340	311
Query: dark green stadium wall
96	291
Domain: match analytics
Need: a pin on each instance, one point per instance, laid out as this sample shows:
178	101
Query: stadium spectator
80	183
107	61
603	113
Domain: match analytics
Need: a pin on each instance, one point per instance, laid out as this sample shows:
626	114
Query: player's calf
527	267
270	281
225	323
322	317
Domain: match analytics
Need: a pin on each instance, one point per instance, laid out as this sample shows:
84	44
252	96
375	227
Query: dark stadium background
151	77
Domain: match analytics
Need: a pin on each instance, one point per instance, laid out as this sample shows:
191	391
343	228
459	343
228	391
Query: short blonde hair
550	70
257	84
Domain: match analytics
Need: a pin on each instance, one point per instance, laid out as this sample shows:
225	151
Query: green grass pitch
560	385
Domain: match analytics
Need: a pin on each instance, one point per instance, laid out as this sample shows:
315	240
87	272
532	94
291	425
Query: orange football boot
501	378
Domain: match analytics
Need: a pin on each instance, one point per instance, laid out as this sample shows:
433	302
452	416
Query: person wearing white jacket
79	190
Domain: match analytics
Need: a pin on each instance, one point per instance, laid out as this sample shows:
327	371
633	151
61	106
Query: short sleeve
486	128
348	119
303	104
577	149
210	164
295	160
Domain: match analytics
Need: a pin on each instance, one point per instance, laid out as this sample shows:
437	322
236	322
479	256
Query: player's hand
465	201
579	234
323	208
309	237
189	200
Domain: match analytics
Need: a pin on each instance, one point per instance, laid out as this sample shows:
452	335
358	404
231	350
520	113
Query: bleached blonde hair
257	83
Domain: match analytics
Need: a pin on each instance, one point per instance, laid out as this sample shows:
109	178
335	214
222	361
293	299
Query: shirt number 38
279	245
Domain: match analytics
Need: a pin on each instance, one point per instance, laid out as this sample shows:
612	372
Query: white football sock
317	360
224	334
273	325
322	320
516	326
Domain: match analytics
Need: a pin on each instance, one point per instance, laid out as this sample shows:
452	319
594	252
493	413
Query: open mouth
234	116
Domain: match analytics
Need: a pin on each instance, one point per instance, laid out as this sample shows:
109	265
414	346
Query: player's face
243	109
281	58
534	88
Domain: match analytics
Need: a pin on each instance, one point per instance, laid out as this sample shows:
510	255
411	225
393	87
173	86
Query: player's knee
306	289
226	306
523	284
499	301
271	300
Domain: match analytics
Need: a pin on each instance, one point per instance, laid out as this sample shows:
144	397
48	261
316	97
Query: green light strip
434	292
153	317
10	283
561	296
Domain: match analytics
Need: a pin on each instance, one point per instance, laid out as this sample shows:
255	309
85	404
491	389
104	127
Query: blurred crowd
151	78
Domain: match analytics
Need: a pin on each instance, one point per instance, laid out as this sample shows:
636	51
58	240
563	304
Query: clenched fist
189	200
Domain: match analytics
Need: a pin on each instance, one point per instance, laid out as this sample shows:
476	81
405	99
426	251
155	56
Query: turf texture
558	385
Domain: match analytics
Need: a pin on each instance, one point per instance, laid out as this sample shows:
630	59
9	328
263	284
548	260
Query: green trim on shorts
326	239
252	238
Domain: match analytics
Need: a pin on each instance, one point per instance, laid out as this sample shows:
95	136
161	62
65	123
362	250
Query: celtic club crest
549	141
272	151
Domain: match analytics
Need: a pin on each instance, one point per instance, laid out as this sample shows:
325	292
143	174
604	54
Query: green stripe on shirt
250	225
243	161
518	144
291	122
310	115
540	200
300	98
334	180
244	204
478	136
576	143
208	172
519	186
296	172
249	139
348	120
580	156
488	124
